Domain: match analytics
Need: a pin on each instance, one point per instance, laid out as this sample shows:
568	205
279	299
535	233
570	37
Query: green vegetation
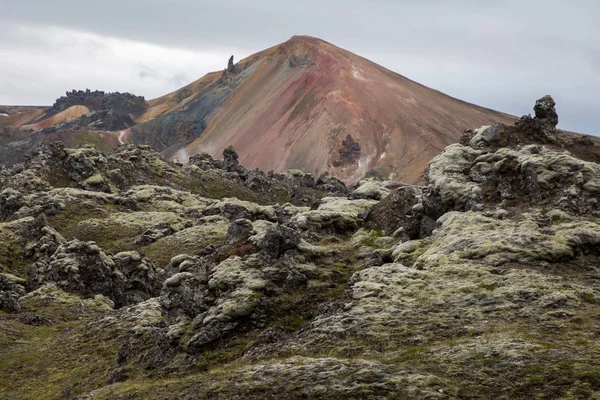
12	258
57	361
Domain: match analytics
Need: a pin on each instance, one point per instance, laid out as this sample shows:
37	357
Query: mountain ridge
319	89
298	105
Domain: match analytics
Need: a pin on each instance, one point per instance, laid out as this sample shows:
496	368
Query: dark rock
10	202
186	293
124	103
230	159
239	231
545	111
331	184
465	139
258	181
205	162
278	240
349	152
34	320
585	140
140	277
154	233
396	211
230	65
83	268
11	288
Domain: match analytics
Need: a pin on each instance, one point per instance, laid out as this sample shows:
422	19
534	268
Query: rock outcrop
137	277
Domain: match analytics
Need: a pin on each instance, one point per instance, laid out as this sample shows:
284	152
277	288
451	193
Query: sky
501	54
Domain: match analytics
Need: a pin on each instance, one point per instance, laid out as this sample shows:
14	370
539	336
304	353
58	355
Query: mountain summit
303	104
310	105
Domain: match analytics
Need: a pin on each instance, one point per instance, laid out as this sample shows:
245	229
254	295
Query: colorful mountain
303	104
310	105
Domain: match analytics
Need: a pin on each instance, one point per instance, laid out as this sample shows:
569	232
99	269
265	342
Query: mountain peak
307	104
302	44
306	39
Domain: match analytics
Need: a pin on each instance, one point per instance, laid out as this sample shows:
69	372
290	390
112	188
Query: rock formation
230	66
125	276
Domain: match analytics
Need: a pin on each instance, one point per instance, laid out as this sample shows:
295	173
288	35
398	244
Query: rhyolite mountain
303	104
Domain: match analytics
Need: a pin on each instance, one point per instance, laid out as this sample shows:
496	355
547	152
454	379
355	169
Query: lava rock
230	159
10	202
545	111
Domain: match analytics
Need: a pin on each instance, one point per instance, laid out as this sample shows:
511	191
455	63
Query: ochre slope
57	119
300	101
16	116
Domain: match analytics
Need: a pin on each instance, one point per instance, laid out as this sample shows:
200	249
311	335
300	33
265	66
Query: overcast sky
502	54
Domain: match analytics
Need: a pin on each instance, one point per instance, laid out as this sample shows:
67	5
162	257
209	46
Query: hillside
125	276
303	104
310	105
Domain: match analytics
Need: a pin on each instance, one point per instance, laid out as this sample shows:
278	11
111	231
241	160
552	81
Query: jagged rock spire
545	111
230	159
230	65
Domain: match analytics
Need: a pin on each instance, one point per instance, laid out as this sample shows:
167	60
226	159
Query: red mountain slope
310	105
303	104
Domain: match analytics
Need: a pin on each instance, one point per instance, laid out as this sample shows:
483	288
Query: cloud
499	54
41	62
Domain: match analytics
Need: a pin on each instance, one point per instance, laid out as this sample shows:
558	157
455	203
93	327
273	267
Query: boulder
330	184
84	269
230	159
372	189
11	201
545	112
11	289
402	209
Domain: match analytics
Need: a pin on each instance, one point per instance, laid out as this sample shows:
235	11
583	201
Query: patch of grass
67	219
12	258
409	353
491	287
371	239
60	361
57	177
224	353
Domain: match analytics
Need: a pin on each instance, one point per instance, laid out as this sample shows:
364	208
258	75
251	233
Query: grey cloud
502	54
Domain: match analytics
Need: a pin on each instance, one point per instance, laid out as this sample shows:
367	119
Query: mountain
310	105
303	104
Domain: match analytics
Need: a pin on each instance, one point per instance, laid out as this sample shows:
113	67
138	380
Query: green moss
66	220
223	353
588	297
12	258
94	180
61	361
410	353
57	177
87	138
371	236
111	230
489	286
188	241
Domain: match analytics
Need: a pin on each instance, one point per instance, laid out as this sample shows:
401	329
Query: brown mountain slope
303	104
310	105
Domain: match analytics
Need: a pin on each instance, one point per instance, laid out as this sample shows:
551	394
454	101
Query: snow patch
382	156
3	115
121	136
